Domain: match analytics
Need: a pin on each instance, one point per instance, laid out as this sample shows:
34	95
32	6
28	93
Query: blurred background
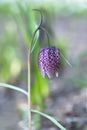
65	97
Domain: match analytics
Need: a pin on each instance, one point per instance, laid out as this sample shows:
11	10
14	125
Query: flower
49	61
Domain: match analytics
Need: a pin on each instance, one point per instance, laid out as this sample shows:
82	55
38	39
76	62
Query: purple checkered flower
49	61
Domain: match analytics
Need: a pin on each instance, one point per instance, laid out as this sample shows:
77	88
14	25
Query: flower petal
49	61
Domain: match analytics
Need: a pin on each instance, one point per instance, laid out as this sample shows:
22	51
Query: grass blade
13	87
66	60
50	118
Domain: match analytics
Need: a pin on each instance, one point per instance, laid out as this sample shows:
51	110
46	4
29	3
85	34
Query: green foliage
35	41
50	118
80	74
8	53
5	9
36	121
62	44
39	89
34	111
25	20
24	17
64	7
13	88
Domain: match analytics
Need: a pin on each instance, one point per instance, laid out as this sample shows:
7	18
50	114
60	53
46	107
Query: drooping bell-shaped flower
49	61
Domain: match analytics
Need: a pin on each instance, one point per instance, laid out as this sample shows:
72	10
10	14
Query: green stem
29	103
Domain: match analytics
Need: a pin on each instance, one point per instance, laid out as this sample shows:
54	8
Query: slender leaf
35	41
34	111
50	118
14	88
66	60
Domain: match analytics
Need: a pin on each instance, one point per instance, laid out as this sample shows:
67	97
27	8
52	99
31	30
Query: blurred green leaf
14	88
50	118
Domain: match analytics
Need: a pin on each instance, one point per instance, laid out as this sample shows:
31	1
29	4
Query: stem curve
41	19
